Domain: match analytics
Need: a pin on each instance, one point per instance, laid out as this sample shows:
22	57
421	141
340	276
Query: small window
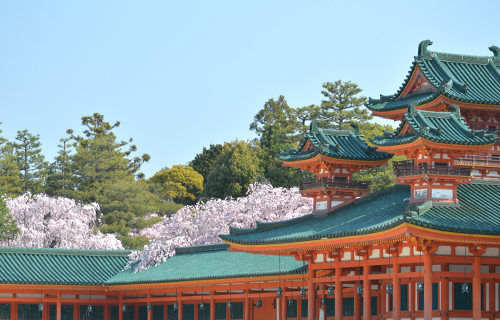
4	310
220	311
291	309
304	308
171	313
237	310
441	164
341	178
204	314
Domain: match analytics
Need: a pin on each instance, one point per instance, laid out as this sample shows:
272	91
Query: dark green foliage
30	161
8	226
234	170
10	178
60	179
202	162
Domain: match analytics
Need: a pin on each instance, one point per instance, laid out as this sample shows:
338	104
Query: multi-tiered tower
334	155
437	81
433	141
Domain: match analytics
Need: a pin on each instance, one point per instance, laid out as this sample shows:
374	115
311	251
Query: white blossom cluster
59	222
202	223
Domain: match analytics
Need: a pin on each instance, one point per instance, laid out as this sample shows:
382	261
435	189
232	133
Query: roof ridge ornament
313	126
455	110
496	52
412	107
355	127
422	48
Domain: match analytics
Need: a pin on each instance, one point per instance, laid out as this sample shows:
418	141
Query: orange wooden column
339	291
180	314
476	287
246	306
396	297
58	305
357	297
106	315
428	286
367	290
150	313
283	305
212	305
311	293
120	307
491	291
445	292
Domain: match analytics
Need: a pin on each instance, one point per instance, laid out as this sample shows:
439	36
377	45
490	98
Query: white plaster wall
68	296
86	297
375	254
405	252
405	269
485	269
491	252
459	251
460	268
6	295
347	257
30	295
319	258
443	251
436	267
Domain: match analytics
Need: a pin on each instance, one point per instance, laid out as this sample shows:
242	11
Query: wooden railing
474	160
334	183
433	170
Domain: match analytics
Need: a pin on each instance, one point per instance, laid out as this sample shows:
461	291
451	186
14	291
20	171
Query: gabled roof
476	213
210	262
441	127
59	266
470	79
338	144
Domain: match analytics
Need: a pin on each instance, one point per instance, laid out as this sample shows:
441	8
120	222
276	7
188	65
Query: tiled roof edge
295	271
486	182
435	226
202	248
59	251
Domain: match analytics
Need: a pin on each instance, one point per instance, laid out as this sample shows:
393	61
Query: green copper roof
442	127
471	79
210	262
339	144
477	212
59	266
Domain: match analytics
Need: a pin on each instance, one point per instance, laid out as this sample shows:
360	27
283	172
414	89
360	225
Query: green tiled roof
210	262
339	144
59	266
442	127
477	212
471	79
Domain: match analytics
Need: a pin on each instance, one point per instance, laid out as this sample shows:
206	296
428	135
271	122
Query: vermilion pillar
357	297
445	293
428	286
311	293
180	314
476	288
120	307
283	305
246	306
396	297
212	306
367	291
150	313
58	305
339	291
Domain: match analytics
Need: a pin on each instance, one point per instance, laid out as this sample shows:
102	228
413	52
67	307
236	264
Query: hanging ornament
279	293
149	307
229	304
89	308
124	308
389	288
290	302
465	287
259	303
302	293
176	306
359	289
420	286
40	307
330	291
323	301
202	305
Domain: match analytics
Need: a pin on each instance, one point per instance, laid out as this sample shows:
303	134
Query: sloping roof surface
441	127
471	79
477	213
59	266
339	144
210	262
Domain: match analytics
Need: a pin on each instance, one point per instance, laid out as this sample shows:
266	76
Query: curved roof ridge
65	251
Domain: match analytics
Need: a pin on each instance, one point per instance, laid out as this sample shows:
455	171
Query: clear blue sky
180	75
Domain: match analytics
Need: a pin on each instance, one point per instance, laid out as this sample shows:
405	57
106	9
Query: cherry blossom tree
48	222
202	223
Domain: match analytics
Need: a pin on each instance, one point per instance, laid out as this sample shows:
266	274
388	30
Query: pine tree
343	105
30	161
10	179
99	159
60	177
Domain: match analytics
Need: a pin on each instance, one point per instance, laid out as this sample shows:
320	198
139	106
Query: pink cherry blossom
202	223
57	222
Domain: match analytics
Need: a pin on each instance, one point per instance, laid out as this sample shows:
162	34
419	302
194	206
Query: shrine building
425	248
